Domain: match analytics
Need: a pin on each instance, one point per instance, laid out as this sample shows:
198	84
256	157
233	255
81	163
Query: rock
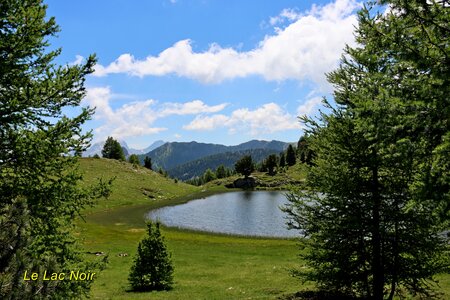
245	183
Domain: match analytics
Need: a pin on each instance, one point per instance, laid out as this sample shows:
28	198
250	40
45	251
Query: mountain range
171	155
97	148
185	160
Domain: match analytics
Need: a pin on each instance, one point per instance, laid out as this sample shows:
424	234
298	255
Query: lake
250	213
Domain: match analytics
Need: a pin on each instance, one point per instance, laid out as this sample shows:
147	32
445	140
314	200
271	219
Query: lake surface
251	213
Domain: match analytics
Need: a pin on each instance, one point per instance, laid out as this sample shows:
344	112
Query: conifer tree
112	149
290	156
148	162
134	159
376	203
245	165
271	163
152	268
40	194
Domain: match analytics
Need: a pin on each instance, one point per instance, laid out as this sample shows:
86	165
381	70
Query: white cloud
177	136
268	118
132	119
287	14
188	108
309	106
136	118
207	122
305	49
78	60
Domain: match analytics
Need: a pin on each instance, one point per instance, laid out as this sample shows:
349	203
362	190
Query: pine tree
221	172
40	191
152	268
271	164
282	162
208	176
112	149
374	205
148	162
290	156
245	165
134	159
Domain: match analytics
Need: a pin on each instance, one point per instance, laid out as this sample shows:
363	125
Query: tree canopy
40	194
290	156
376	199
152	268
112	149
245	166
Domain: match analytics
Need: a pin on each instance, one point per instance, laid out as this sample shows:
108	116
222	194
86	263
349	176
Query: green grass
207	266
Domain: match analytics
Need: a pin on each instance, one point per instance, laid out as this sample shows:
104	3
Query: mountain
228	159
97	148
171	155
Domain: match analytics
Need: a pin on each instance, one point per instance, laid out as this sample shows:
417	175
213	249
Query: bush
152	268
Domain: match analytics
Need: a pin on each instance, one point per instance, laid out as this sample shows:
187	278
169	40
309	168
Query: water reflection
253	213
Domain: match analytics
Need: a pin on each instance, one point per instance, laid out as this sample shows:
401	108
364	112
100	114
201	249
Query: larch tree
377	196
40	194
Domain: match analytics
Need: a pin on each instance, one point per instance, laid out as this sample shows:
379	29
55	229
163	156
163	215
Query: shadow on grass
318	295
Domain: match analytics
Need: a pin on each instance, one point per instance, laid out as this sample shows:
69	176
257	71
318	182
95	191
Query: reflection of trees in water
248	195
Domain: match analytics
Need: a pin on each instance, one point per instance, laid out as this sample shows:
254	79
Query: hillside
228	159
132	184
171	155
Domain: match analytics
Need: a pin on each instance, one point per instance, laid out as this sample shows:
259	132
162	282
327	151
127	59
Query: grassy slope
206	266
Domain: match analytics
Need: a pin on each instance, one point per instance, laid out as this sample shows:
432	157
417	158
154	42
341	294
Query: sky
210	71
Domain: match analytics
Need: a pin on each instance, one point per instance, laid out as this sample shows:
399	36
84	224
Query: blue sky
210	71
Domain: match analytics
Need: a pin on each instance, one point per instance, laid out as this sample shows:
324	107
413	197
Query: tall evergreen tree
290	156
282	162
148	162
271	164
112	149
40	194
376	201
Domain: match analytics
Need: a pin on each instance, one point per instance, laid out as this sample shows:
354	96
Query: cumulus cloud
268	118
305	49
78	60
287	14
188	108
136	118
309	106
132	119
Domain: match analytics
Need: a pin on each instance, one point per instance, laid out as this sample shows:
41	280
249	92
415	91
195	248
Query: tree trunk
377	266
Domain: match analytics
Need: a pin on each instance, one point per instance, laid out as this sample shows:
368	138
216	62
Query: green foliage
271	164
376	202
40	194
112	149
152	268
290	156
96	156
133	159
148	162
221	172
304	152
197	167
209	175
282	162
245	166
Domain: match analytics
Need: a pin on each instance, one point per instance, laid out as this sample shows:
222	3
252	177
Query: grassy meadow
207	266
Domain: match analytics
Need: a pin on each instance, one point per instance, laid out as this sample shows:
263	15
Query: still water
255	213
